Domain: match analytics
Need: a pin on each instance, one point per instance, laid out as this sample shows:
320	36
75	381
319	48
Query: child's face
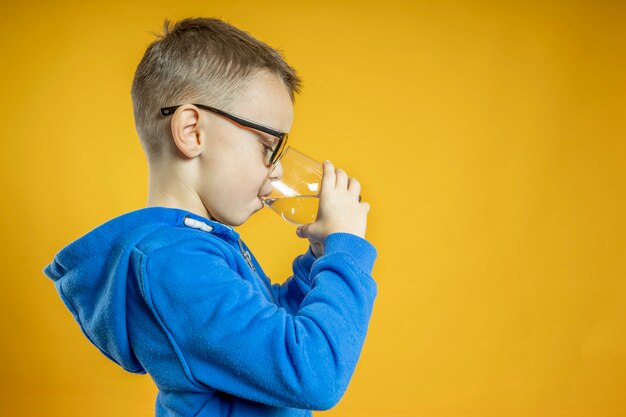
232	164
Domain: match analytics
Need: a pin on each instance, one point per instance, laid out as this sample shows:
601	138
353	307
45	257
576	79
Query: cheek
247	176
251	170
240	169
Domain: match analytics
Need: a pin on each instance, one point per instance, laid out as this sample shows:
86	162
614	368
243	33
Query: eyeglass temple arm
166	111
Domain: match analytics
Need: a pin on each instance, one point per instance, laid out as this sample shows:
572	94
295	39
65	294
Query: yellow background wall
490	139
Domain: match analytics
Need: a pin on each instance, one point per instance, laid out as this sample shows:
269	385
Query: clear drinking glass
295	196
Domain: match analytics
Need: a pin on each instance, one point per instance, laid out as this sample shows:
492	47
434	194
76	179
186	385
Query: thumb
302	230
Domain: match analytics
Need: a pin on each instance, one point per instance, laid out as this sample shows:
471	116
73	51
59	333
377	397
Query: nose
276	172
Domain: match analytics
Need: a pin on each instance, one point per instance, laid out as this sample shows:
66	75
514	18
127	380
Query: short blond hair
202	60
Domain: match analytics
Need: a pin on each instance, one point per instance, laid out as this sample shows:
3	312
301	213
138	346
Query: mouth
261	200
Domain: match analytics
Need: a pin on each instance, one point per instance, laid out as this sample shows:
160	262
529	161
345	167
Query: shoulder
179	244
177	266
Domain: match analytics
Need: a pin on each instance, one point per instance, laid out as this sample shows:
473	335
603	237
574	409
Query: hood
91	275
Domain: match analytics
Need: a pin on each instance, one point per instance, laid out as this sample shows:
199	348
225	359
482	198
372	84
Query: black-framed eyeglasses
282	137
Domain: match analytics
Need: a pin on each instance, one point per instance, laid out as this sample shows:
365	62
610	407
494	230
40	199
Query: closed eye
268	145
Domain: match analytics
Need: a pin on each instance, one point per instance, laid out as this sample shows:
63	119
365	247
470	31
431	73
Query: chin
228	220
253	212
237	219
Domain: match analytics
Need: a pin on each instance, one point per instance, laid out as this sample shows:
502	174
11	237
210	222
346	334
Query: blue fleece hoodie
168	292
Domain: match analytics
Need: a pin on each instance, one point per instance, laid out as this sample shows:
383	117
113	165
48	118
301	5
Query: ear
186	132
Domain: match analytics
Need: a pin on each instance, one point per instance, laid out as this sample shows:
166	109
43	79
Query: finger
342	179
309	231
354	186
328	177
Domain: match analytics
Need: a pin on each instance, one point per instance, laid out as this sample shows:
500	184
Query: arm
230	338
291	293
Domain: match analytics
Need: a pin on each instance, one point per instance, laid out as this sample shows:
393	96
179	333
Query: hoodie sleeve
228	337
291	292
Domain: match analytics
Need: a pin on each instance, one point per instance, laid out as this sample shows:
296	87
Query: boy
171	290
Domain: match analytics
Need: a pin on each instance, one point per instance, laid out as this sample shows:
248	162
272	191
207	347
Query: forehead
266	100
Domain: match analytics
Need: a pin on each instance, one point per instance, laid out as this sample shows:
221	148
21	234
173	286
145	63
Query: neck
167	188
